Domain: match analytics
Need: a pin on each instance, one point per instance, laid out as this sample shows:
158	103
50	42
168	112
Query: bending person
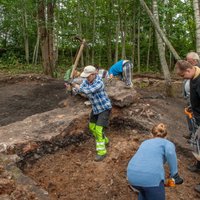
145	170
122	68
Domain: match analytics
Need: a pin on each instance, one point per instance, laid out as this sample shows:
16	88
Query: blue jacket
146	167
116	69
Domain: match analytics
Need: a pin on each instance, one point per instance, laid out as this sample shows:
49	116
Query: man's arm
88	89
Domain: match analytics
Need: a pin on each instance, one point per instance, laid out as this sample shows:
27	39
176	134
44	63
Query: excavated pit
71	172
73	159
73	135
56	161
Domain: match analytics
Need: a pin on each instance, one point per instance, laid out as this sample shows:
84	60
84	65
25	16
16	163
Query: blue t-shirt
146	167
117	68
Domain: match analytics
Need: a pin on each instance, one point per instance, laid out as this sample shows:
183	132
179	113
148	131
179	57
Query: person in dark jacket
188	71
193	59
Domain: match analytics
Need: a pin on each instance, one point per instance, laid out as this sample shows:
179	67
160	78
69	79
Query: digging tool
78	56
190	120
69	75
194	137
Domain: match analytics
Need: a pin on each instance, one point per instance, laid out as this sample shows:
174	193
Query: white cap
88	70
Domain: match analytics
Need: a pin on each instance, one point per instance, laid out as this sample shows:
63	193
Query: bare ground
71	173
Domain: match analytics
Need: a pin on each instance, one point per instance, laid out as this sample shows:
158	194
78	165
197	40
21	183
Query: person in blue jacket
122	68
145	170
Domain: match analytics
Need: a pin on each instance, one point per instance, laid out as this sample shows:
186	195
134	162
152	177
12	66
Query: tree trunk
138	45
117	41
149	48
123	35
51	42
133	34
197	22
161	51
25	32
46	20
157	27
36	48
94	32
80	29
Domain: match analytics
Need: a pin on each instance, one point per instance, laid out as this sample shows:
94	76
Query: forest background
38	35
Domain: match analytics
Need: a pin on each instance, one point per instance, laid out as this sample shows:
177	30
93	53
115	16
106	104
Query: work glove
178	180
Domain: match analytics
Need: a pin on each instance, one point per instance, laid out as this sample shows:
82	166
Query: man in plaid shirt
93	88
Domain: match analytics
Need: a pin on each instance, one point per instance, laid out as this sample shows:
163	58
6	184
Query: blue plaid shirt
96	94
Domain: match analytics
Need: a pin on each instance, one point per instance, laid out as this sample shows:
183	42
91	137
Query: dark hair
182	65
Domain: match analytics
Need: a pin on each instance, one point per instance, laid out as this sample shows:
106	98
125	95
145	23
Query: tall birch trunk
159	30
25	32
138	45
161	51
133	33
36	48
80	30
123	35
197	22
117	41
149	48
94	31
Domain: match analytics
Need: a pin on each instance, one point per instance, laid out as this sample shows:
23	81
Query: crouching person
122	68
93	88
145	170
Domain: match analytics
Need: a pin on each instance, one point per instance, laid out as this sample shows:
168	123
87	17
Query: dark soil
71	173
20	97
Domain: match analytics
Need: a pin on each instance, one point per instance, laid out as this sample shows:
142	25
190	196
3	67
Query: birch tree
159	30
161	51
25	32
197	22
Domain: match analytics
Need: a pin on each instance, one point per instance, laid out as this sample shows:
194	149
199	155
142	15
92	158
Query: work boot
195	167
99	157
197	188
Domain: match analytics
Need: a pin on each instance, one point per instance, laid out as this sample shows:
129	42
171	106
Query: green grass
16	69
20	69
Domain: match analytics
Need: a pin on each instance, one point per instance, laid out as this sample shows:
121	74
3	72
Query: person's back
145	171
146	167
123	69
116	68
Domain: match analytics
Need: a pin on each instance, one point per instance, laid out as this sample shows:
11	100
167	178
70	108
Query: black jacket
195	98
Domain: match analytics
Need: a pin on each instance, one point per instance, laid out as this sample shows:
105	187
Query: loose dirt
71	173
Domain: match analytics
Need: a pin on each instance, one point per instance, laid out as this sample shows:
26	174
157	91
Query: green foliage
77	18
20	68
